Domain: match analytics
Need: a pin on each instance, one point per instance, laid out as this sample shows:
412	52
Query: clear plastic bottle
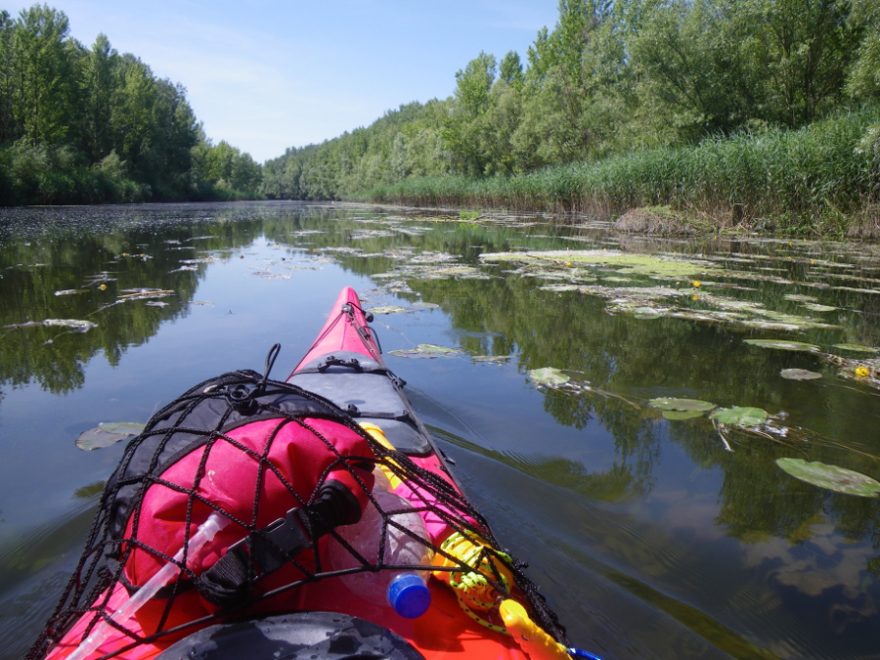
406	591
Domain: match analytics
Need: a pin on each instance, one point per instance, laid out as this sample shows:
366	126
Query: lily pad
106	434
740	416
388	309
830	477
677	415
425	351
800	374
856	348
784	345
548	377
681	405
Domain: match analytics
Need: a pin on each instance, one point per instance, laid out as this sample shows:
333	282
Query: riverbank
821	180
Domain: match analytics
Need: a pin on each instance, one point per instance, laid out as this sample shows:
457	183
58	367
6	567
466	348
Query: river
633	415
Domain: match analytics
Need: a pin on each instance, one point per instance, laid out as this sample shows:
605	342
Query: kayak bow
322	510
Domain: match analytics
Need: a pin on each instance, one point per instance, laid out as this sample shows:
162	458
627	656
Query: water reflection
720	542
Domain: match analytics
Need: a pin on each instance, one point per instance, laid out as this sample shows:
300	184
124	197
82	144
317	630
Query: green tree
45	98
9	129
864	76
97	85
465	132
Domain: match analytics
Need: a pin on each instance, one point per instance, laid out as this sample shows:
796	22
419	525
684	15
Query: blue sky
266	75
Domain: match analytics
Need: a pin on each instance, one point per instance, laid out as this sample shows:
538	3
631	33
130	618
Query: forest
87	125
769	105
767	109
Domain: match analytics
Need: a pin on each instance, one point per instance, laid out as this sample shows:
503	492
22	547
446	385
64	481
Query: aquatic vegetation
75	325
800	374
548	377
857	348
490	359
426	351
740	416
388	309
784	345
830	477
639	264
143	294
681	409
106	434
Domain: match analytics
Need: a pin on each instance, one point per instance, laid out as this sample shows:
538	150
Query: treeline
615	78
84	125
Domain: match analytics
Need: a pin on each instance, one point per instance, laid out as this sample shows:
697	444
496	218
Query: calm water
651	537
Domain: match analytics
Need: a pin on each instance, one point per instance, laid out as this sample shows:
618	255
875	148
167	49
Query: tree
45	97
464	132
97	83
9	128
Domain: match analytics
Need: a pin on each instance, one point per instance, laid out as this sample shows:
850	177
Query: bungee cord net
282	474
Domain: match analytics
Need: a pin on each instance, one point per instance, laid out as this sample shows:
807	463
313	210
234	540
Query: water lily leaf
106	434
388	309
681	405
830	477
740	416
425	351
856	348
548	377
784	345
677	415
799	374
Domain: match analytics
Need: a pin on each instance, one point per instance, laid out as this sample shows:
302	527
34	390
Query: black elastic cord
270	362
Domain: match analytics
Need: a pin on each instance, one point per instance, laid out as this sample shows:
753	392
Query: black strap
228	582
333	361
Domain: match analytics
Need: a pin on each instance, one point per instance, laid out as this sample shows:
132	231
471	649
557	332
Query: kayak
310	517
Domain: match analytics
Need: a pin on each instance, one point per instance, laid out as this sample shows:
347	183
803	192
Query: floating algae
637	264
426	351
75	325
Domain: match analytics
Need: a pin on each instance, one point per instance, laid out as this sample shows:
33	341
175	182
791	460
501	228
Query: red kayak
313	517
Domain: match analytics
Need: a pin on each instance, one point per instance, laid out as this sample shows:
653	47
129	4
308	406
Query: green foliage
636	103
80	126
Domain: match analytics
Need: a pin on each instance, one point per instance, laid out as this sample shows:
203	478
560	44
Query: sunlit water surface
651	537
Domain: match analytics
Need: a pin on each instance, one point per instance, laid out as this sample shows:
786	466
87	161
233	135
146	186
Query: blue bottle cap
409	595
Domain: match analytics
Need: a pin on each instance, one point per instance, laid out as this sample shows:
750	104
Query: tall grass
806	179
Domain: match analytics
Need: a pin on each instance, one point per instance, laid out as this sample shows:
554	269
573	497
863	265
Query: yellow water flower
569	264
862	371
696	284
102	287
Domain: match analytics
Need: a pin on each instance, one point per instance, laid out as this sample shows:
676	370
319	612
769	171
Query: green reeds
804	180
